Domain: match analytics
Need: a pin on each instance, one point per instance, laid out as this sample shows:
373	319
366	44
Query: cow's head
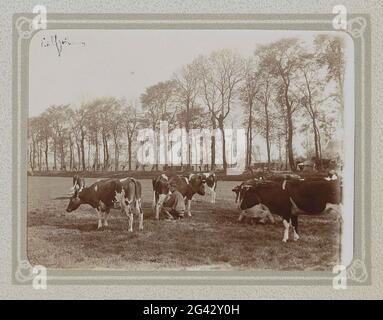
161	184
240	191
197	183
248	196
74	202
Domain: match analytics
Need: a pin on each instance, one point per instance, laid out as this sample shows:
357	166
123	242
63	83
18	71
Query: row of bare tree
285	88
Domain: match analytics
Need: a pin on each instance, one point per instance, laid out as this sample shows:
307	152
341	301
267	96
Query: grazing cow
291	198
160	191
103	194
210	179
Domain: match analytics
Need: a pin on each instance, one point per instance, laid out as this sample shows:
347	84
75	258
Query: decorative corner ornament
356	26
24	27
357	271
24	271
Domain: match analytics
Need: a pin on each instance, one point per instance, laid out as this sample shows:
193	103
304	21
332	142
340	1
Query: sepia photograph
190	150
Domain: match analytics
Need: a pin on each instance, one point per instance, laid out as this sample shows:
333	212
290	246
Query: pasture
212	239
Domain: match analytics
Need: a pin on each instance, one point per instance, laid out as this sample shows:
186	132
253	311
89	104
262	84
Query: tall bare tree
248	94
158	104
131	123
222	72
187	81
282	58
330	54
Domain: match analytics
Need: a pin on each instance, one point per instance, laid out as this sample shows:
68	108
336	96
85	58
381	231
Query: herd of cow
287	196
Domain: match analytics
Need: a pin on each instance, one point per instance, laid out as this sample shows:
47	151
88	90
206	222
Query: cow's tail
137	189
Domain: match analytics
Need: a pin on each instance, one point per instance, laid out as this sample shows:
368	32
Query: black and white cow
210	179
291	198
102	196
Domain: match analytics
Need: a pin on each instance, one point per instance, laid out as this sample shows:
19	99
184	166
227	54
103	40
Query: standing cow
291	198
103	194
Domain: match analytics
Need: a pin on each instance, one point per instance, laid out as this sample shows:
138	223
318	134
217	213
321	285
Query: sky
122	63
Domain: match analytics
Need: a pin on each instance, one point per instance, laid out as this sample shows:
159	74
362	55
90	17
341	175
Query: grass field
210	240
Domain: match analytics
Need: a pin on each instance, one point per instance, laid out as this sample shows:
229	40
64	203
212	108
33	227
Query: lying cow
258	212
291	198
103	194
210	179
187	187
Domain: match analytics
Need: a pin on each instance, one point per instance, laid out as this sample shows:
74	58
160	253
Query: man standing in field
174	204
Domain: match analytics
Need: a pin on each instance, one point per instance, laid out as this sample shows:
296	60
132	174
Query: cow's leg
140	215
106	213
286	224
129	214
189	207
213	195
99	218
294	222
154	204
241	215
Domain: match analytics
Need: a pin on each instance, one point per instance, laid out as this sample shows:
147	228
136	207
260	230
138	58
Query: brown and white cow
103	195
210	179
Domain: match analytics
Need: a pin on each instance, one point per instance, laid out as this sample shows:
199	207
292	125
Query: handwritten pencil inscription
58	43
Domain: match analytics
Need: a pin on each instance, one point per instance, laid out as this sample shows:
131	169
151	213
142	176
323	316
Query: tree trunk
267	134
156	143
116	154
82	145
249	136
286	145
55	154
46	154
40	156
62	156
221	127
315	139
130	152
70	155
212	147
104	152
290	141
78	154
96	156
290	130
319	146
33	154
